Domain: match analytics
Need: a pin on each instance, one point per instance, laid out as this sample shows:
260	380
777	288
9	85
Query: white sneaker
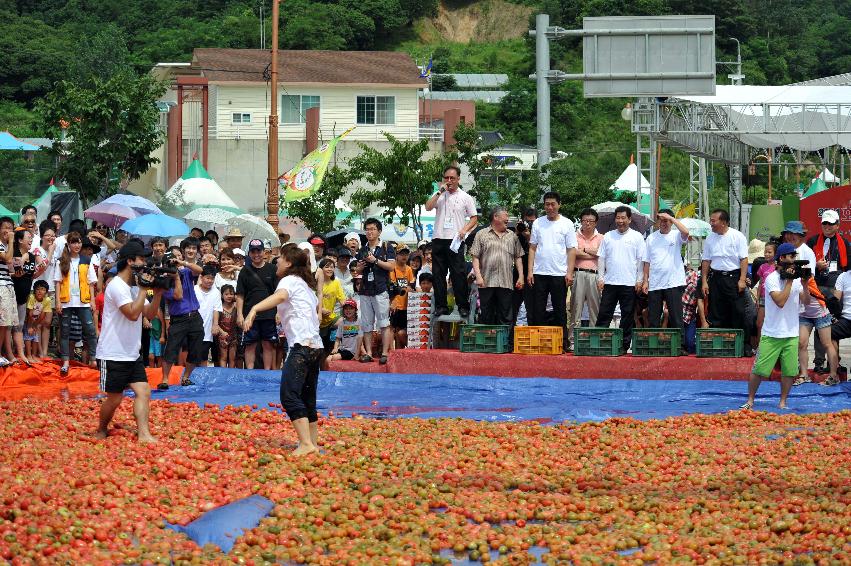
4	362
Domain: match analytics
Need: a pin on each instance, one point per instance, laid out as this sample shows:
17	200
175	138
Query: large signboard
837	198
649	56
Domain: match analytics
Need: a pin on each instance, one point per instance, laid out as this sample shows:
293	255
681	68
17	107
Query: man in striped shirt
496	253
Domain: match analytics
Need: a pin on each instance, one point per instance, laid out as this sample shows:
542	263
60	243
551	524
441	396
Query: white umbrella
206	215
610	207
253	227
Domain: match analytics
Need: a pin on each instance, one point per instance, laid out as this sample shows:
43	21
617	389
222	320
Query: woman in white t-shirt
298	309
75	279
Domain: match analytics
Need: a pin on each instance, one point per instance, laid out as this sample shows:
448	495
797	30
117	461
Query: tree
577	191
402	179
318	212
522	190
112	129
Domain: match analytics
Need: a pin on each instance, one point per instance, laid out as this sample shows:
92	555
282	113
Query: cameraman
779	338
185	324
121	366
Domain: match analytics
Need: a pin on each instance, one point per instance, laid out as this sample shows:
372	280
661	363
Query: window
294	107
241	118
376	110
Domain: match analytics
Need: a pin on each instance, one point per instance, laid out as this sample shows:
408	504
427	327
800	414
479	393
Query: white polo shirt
665	259
725	253
552	239
452	212
623	256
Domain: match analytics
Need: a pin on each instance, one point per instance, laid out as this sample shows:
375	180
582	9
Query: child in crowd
349	335
426	282
762	273
332	293
157	341
39	307
209	302
224	322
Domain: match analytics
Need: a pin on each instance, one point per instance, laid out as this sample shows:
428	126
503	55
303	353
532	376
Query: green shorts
772	349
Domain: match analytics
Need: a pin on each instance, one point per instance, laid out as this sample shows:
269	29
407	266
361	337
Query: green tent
6	212
817	187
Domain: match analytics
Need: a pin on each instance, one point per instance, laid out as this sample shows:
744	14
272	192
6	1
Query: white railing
433	134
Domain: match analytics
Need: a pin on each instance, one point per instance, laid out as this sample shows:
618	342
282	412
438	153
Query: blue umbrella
137	203
155	225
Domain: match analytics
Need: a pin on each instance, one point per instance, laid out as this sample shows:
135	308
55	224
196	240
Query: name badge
370	276
448	223
832	266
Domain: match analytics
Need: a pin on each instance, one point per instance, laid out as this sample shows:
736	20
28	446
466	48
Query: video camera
395	290
798	268
157	273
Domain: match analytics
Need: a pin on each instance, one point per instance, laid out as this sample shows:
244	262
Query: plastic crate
593	341
538	340
720	342
658	342
485	338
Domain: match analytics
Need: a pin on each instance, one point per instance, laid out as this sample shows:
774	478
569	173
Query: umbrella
253	227
156	225
206	215
641	223
335	239
111	214
137	203
697	227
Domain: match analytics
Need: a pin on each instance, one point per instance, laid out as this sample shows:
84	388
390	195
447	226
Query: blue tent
8	141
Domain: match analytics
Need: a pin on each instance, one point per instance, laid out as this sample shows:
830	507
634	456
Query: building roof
835	80
479	81
296	66
489	96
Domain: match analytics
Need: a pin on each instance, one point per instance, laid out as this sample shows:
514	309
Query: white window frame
302	113
242	116
375	98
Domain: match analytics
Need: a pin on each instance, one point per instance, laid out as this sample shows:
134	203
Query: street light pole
273	204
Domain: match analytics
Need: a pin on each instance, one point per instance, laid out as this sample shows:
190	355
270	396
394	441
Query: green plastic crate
720	342
592	341
485	338
657	342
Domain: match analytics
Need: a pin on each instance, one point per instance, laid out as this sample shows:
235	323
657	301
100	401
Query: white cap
238	251
352	236
830	215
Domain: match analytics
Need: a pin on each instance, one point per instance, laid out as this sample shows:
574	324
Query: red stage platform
565	366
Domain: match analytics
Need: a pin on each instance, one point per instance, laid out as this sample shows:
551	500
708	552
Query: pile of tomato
740	488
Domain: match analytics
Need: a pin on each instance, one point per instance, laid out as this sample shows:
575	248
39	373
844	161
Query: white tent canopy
827	176
628	181
802	117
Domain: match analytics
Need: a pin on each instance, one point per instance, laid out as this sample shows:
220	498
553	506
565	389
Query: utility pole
542	67
736	170
273	204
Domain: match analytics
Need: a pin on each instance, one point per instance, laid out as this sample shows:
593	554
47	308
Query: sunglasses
829	223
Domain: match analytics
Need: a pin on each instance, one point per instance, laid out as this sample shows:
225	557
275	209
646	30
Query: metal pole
273	204
735	195
542	67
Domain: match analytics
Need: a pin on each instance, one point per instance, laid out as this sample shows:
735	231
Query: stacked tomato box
419	320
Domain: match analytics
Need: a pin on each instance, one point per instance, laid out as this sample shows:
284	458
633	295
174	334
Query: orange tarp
43	380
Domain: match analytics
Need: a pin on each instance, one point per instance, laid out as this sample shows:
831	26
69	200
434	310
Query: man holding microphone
453	207
121	365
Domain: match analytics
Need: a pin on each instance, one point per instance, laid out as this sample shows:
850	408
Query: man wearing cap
724	271
401	283
496	254
453	207
318	247
352	242
121	364
184	324
234	238
664	276
832	251
256	281
779	340
342	271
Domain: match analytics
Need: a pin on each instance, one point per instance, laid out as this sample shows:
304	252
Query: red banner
837	198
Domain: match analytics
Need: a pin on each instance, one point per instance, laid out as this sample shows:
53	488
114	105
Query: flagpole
273	204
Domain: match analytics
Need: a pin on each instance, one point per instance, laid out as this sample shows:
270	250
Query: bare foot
147	439
101	434
304	450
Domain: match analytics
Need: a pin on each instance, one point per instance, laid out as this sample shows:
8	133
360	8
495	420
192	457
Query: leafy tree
443	82
522	190
402	179
111	131
318	212
577	191
99	57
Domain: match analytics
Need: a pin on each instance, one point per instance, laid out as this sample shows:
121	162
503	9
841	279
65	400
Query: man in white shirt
724	268
121	365
841	328
552	257
209	301
784	294
453	207
664	276
620	273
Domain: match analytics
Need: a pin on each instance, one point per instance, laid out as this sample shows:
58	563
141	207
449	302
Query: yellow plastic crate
538	340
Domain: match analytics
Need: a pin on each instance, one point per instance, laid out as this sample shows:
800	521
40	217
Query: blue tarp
504	399
222	526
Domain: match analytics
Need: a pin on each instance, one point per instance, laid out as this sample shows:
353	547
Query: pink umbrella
111	214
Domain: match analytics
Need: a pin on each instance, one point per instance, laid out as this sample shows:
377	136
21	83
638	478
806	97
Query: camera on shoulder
800	268
156	273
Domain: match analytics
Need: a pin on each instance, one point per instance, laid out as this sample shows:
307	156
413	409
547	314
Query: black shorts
265	330
346	355
185	330
840	329
115	377
399	320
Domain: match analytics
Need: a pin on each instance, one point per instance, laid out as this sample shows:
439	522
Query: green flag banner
766	221
306	177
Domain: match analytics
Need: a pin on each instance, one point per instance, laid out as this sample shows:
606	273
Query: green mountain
43	41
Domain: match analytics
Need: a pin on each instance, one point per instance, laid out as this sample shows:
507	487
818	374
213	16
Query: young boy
209	301
349	334
426	282
39	307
